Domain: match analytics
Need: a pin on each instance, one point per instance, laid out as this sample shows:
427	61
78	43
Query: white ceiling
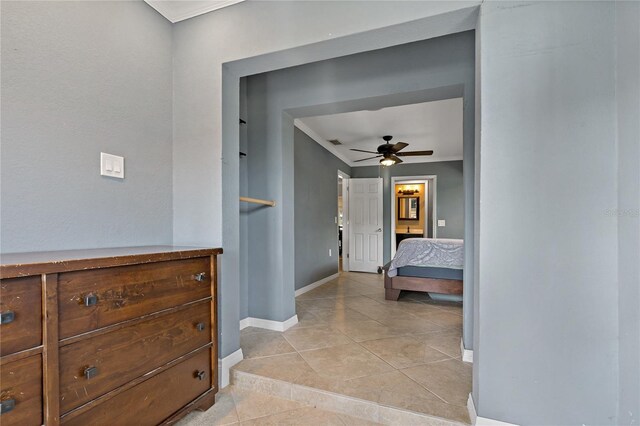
179	10
433	126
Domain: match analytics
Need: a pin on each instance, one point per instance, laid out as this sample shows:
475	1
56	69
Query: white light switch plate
442	223
111	165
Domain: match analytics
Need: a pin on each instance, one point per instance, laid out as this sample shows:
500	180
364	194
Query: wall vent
335	141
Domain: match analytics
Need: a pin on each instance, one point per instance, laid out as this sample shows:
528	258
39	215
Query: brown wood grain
141	334
127	292
202	403
154	400
50	371
114	327
127	353
135	382
22	381
391	294
21	355
35	263
434	285
20	295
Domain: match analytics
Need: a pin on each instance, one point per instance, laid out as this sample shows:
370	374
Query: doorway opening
343	222
352	307
413	208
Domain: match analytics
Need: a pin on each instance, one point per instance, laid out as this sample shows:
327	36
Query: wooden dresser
121	336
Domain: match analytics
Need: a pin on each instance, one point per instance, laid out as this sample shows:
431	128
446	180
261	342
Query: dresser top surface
48	262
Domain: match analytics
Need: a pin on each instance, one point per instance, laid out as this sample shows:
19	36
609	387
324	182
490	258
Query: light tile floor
247	408
351	342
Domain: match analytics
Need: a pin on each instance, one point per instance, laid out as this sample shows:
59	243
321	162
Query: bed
432	265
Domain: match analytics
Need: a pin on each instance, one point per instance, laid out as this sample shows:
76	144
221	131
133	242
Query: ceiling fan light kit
390	152
387	161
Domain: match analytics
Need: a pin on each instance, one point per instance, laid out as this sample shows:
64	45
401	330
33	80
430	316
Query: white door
365	225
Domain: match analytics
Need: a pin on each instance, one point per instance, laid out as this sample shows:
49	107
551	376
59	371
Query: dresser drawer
96	298
154	400
21	307
21	392
120	356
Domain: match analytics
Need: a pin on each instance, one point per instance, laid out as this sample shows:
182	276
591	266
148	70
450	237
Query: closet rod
258	201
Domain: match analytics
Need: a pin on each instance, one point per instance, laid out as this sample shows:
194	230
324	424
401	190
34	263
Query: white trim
345	220
482	421
413	179
325	144
225	364
467	354
165	8
471	408
244	323
269	324
316	284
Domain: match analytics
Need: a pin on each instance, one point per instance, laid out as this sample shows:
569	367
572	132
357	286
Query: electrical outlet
329	252
442	223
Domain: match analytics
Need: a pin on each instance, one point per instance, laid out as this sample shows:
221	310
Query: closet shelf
258	201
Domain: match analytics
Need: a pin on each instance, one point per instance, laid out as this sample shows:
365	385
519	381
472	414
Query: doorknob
379	230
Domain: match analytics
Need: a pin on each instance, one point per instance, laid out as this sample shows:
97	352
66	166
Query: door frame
345	220
412	179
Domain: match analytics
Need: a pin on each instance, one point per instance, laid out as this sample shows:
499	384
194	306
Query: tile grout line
356	399
424	387
340	303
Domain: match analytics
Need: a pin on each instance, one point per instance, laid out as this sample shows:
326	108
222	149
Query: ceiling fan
390	152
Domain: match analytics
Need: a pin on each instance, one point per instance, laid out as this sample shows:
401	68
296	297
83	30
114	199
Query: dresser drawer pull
6	317
90	300
90	372
7	405
200	277
200	326
200	375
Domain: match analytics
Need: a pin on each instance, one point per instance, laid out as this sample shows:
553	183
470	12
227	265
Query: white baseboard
316	284
473	416
482	421
244	323
225	364
269	324
467	354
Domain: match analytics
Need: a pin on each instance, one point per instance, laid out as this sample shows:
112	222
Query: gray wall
207	69
546	154
316	207
245	208
79	78
628	105
450	194
547	341
276	98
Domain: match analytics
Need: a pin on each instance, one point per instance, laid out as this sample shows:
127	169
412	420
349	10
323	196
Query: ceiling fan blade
370	158
414	153
362	150
398	146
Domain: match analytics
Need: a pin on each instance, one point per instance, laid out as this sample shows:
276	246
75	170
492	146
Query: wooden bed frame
393	286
